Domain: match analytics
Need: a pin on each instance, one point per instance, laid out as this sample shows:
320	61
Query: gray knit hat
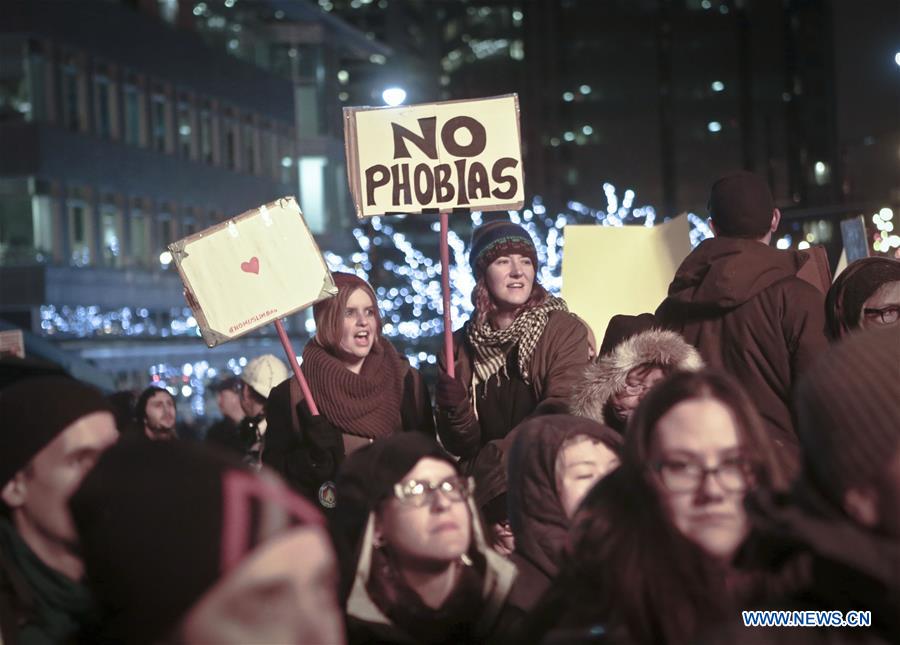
848	411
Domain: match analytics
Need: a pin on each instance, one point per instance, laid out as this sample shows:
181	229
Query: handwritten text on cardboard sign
435	156
441	181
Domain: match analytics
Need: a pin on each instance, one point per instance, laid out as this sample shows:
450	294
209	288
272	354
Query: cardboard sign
12	343
621	270
435	156
251	270
856	242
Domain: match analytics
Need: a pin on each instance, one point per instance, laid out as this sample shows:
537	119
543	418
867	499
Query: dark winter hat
34	411
368	475
856	284
496	238
232	383
848	407
161	522
741	205
622	327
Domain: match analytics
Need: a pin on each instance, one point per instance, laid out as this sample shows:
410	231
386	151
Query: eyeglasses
635	390
682	476
887	315
416	493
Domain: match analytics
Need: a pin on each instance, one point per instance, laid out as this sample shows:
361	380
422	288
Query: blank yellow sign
620	270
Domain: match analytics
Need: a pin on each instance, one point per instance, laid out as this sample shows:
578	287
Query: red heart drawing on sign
252	266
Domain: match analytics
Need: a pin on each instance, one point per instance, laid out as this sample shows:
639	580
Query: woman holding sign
364	389
518	355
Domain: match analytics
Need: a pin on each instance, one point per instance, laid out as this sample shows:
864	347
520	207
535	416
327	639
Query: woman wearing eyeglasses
633	357
417	566
866	295
653	543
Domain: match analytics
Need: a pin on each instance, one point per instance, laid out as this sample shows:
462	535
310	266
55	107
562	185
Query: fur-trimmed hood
606	376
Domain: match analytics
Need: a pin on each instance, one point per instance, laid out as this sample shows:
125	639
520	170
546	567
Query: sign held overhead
251	271
435	156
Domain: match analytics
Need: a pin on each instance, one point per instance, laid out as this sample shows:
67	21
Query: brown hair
641	574
486	309
329	314
756	444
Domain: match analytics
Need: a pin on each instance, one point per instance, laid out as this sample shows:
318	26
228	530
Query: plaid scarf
493	345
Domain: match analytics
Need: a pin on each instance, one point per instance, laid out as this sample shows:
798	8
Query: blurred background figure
184	544
225	431
53	429
155	414
258	379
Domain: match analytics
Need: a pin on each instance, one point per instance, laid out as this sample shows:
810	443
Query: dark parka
536	515
817	559
308	458
560	353
741	304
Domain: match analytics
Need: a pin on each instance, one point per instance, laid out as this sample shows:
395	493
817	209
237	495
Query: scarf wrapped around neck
493	345
365	404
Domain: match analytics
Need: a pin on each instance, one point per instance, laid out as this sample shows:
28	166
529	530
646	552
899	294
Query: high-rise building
123	132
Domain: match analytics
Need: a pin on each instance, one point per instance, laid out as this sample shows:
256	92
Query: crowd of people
736	449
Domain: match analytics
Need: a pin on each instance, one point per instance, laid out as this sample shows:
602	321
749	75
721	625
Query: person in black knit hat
183	543
517	356
417	568
53	429
741	303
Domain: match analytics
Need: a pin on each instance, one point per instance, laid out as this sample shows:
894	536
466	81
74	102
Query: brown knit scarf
365	404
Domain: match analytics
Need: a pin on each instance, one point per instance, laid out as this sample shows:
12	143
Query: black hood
536	515
851	566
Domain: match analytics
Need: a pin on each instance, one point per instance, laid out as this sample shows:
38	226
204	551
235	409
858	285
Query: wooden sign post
253	270
436	157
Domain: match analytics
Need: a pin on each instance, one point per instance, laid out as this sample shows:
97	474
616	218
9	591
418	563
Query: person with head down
183	543
417	567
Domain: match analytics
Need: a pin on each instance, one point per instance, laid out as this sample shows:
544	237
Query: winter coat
539	522
607	375
817	559
309	460
555	367
742	305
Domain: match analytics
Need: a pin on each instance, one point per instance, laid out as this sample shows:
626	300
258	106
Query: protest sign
435	156
251	271
611	270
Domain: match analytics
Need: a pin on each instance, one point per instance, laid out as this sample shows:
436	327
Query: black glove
322	434
450	392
